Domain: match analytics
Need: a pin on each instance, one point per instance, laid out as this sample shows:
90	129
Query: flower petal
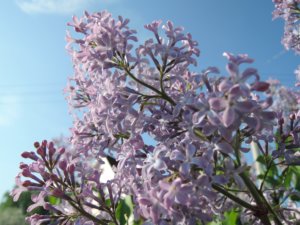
228	116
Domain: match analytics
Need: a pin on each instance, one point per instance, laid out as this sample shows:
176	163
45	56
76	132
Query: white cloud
57	6
9	110
276	56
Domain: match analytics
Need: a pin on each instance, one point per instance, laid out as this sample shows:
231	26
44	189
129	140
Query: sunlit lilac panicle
60	174
286	99
174	138
289	11
103	38
228	105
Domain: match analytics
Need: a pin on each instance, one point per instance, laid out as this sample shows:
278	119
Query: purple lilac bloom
201	124
289	10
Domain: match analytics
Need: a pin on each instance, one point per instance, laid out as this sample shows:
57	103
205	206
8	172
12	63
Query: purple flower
19	189
289	11
170	134
176	193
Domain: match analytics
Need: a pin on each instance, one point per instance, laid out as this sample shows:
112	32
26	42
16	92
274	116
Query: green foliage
230	218
274	176
295	179
53	200
23	203
199	134
12	216
124	210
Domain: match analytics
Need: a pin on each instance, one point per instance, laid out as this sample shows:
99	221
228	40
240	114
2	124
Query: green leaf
199	134
108	202
261	159
139	222
122	135
288	178
289	140
297	184
212	223
296	170
124	210
230	218
53	200
295	198
273	171
273	181
277	138
260	176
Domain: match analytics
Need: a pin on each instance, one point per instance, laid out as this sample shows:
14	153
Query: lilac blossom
200	123
289	11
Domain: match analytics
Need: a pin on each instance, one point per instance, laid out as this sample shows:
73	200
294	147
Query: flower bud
44	143
281	121
36	144
30	155
29	183
23	166
260	86
54	177
71	168
26	172
41	151
292	116
62	151
51	152
58	193
63	165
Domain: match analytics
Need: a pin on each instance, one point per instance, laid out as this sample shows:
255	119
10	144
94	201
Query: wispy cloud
9	109
57	6
276	56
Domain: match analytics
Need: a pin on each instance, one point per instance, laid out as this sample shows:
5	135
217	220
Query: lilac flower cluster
57	173
201	125
289	10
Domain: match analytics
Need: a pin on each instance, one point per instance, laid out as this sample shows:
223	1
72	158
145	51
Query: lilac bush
289	10
177	140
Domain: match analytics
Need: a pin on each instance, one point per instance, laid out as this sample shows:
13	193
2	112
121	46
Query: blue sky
34	65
